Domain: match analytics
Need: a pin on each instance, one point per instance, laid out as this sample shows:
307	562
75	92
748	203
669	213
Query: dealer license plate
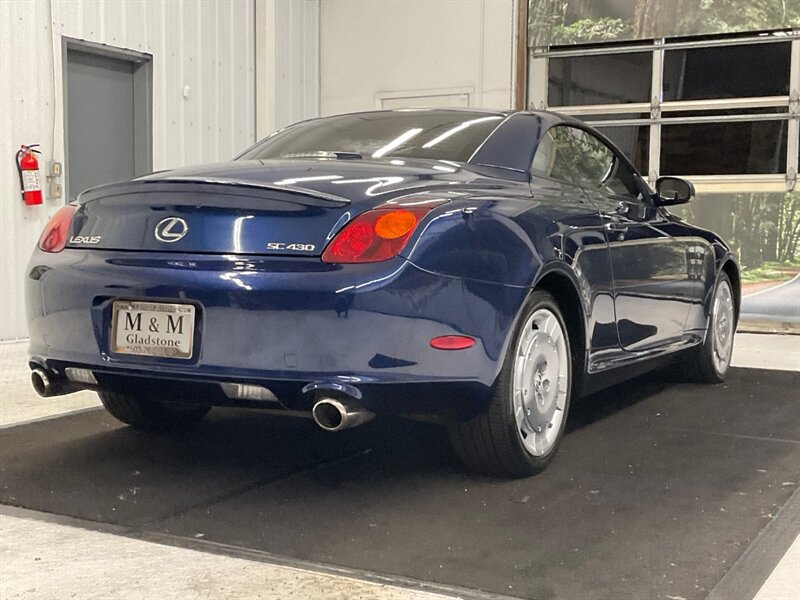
153	329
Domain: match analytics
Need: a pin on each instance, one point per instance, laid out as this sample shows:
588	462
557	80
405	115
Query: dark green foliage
760	227
577	21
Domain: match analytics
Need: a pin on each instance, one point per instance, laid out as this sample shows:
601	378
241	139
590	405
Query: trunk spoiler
255	189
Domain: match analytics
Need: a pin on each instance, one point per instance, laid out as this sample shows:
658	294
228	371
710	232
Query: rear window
437	134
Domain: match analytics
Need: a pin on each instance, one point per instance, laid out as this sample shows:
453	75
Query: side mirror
673	190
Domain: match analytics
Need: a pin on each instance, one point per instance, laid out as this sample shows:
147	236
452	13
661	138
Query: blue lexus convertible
480	269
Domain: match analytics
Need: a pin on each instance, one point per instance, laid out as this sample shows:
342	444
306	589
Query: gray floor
128	571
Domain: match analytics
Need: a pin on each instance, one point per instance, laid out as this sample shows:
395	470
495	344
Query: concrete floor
47	560
18	401
40	559
784	581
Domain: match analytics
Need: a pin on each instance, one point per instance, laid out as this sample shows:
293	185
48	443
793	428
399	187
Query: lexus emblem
171	229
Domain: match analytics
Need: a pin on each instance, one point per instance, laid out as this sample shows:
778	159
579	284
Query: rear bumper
281	323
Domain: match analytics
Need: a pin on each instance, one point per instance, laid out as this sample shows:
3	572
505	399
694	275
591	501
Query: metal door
107	119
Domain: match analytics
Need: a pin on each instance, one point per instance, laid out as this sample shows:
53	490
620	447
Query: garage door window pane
767	254
754	147
610	79
750	70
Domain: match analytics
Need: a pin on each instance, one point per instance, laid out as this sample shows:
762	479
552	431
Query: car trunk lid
209	216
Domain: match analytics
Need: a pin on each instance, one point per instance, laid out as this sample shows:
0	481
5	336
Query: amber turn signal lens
395	224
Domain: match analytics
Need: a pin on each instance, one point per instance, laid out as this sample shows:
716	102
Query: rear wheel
519	433
148	414
709	362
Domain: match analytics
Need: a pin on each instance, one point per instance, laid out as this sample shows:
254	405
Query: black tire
492	442
699	363
147	414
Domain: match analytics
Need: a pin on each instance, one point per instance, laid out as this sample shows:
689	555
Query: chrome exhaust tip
41	383
51	385
335	415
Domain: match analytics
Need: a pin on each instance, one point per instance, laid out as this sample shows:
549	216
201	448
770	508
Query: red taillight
378	234
452	342
55	235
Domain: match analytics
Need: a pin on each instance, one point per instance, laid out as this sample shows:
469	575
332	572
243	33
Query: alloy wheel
540	382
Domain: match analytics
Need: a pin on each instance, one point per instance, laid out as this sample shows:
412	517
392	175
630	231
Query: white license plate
153	329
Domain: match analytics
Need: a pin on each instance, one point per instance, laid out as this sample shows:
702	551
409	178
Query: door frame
142	99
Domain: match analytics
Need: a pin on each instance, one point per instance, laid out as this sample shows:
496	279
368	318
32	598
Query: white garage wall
208	46
287	63
311	55
415	53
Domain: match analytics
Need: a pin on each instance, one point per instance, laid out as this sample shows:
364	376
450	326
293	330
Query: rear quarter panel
515	241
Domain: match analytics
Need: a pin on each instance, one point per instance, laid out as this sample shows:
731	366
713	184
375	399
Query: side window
550	161
576	156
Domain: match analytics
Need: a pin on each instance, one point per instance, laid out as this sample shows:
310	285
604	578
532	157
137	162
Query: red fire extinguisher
28	169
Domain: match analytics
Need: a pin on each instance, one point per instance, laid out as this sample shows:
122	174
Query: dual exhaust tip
330	414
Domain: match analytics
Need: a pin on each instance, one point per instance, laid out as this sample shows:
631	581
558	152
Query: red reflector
55	234
452	342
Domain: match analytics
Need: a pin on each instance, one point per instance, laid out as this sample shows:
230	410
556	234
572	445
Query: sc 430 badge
295	247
